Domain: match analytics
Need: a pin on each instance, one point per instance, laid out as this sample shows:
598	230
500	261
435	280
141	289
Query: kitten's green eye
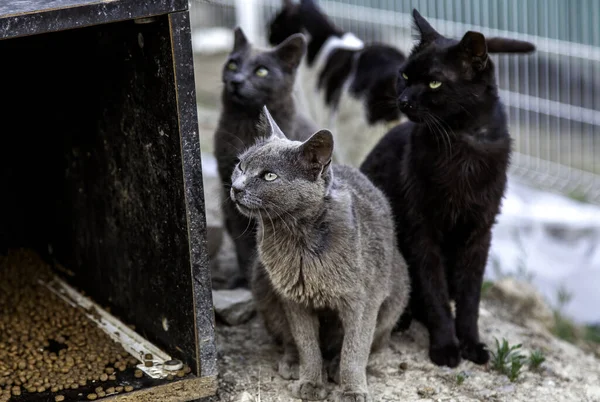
435	84
232	66
404	76
262	72
269	176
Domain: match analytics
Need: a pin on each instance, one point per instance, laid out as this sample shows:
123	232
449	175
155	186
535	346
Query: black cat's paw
476	352
308	390
404	322
445	355
288	370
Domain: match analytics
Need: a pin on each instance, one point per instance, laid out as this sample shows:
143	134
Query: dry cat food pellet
52	346
111	390
101	394
119	388
99	389
148	363
138	374
128	388
91	397
148	356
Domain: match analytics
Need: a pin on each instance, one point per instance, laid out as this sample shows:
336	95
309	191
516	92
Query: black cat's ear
269	126
474	47
291	50
239	40
318	149
426	32
505	45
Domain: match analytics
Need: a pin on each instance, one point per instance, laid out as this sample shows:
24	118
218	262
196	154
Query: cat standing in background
252	78
444	173
328	271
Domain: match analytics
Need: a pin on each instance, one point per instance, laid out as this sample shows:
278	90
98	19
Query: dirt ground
403	372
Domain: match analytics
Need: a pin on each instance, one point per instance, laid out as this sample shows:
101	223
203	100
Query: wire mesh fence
552	96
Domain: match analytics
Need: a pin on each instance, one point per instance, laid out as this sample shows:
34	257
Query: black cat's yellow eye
435	84
269	176
404	76
262	72
232	66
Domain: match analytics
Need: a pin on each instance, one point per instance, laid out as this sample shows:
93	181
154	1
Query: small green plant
507	360
460	378
536	358
485	287
564	328
516	364
592	333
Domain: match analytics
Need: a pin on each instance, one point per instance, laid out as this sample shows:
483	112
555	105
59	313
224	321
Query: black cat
445	174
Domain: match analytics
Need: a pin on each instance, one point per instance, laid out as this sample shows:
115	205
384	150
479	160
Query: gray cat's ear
291	50
239	40
426	32
318	149
474	47
269	126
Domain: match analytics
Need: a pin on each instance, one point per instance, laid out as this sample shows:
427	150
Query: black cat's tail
505	45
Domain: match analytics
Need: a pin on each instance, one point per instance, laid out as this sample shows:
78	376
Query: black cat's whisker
429	126
440	123
437	129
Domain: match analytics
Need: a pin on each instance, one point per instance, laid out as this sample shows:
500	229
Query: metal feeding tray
100	174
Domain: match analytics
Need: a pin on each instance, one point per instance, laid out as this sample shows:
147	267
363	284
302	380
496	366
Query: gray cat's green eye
435	84
231	66
404	76
262	72
269	176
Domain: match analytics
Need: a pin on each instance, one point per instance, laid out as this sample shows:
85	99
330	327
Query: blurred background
549	229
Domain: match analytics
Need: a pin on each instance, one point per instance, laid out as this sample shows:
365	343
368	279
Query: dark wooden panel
91	165
192	169
29	17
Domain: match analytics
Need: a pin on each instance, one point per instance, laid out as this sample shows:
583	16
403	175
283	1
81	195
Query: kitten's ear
505	45
318	149
269	126
239	40
426	32
291	50
473	45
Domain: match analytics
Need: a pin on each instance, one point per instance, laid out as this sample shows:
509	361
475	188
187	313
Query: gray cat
253	78
327	258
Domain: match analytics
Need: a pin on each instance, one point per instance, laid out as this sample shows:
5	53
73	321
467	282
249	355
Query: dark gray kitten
327	258
253	78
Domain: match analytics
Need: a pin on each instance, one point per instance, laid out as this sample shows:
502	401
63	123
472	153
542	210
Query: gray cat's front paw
288	370
355	397
308	390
